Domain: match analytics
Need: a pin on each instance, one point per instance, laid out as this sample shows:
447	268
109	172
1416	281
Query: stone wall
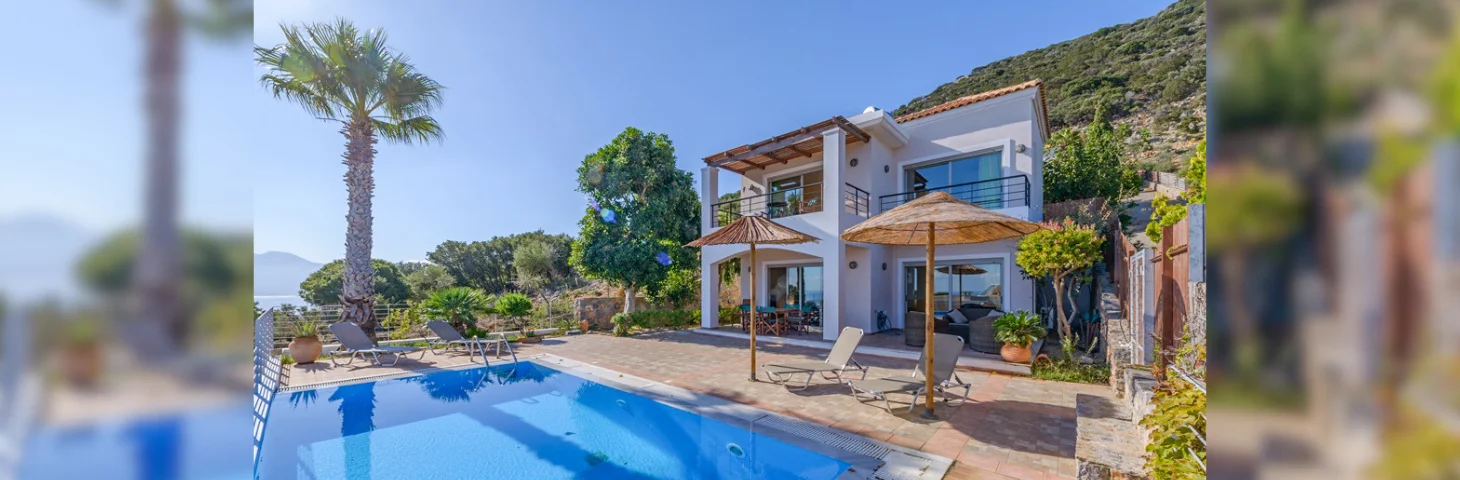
600	310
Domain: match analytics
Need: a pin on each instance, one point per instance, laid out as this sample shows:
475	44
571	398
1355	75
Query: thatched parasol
752	230
936	219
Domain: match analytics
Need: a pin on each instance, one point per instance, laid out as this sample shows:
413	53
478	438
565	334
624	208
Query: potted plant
81	355
530	336
305	347
1018	330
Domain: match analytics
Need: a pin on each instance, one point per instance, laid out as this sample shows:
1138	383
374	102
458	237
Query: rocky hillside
1150	74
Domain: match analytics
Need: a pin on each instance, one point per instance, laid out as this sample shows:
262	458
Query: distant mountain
279	273
1150	73
38	255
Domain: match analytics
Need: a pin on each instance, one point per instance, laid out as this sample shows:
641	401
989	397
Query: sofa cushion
956	317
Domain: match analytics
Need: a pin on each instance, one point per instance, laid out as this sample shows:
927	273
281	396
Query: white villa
824	178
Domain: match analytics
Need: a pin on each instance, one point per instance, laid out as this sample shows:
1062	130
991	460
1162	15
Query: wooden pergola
803	142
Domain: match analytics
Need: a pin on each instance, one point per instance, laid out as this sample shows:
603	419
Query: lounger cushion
885	385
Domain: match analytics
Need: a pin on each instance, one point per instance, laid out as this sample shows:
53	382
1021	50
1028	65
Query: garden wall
599	310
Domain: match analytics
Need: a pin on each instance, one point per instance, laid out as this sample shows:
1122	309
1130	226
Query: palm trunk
358	296
158	277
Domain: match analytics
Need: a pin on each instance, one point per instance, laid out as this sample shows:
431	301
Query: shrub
458	305
1066	370
729	315
624	323
1020	328
514	306
402	323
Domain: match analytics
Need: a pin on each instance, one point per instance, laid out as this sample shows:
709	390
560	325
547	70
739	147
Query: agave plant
459	306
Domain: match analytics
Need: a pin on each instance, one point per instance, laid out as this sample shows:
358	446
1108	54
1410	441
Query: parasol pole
928	326
753	312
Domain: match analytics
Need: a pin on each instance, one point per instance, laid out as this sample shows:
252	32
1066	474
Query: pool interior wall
519	420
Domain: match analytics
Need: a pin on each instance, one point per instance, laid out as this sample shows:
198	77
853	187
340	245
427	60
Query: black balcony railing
857	201
784	203
1010	191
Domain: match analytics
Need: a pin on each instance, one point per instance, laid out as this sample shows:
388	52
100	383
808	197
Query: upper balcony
802	200
994	194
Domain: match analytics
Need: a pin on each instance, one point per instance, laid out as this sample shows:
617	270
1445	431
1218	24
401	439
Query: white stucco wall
853	296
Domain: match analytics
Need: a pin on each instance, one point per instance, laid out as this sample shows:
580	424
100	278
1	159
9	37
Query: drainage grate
854	444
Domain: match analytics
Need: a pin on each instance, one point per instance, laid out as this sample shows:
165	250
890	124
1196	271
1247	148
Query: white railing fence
266	372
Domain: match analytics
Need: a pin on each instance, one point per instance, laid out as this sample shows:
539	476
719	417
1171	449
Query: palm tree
157	281
337	73
458	305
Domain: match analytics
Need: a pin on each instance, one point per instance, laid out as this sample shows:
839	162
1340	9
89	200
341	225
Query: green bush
624	323
1066	370
514	306
729	315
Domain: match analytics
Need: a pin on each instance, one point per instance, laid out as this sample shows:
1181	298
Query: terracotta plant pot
81	364
537	339
305	350
1015	354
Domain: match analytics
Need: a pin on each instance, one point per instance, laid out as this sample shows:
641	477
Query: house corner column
709	277
834	258
709	192
709	292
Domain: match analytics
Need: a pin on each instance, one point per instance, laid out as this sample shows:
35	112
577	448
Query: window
801	193
956	283
955	177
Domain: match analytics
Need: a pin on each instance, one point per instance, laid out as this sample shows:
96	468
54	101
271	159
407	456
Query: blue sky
532	87
73	129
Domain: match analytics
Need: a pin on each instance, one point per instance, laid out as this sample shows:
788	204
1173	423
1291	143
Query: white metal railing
266	371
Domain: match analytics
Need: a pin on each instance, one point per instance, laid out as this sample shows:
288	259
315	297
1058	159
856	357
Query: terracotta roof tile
979	97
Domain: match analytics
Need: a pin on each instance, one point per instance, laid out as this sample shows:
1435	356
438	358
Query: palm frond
409	131
335	71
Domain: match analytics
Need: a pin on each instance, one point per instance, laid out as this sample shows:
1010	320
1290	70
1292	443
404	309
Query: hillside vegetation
1149	74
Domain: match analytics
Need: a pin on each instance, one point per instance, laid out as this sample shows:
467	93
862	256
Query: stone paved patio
1011	427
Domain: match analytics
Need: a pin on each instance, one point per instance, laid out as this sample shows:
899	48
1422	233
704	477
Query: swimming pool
519	421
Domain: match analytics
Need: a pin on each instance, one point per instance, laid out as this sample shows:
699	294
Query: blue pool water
519	421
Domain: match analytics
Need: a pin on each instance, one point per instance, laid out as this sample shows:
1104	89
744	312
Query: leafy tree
427	280
458	305
215	275
641	207
533	261
1088	164
326	285
488	265
338	73
1059	252
407	268
514	306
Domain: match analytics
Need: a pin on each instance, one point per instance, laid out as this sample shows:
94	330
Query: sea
273	301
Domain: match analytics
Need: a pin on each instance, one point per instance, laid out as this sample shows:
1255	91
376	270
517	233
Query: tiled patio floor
1011	427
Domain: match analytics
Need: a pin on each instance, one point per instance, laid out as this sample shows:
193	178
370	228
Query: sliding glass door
959	177
795	285
955	283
